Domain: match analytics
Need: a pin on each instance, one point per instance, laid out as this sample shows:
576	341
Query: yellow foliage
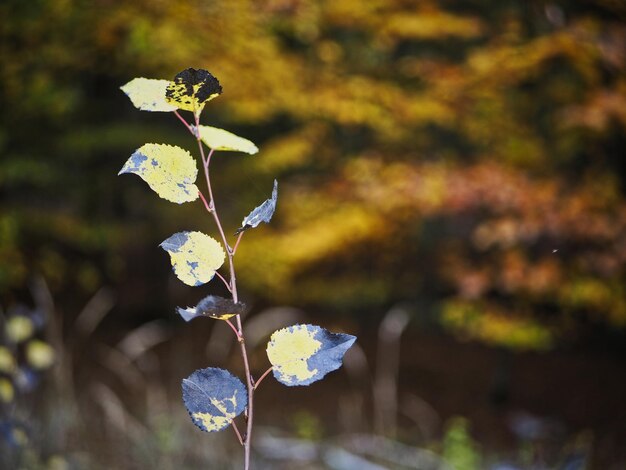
319	237
170	171
219	139
474	322
289	349
433	24
479	140
148	94
195	256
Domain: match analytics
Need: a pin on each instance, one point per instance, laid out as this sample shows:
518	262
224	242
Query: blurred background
452	191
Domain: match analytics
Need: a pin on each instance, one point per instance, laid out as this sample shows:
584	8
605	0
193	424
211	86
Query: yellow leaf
195	256
169	170
148	94
219	139
303	354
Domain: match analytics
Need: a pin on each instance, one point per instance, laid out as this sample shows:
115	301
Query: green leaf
219	139
195	256
262	213
213	397
148	94
303	354
212	306
192	89
169	170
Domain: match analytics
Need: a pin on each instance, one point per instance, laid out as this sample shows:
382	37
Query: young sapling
299	354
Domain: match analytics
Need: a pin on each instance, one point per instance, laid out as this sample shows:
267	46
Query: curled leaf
195	256
219	139
170	171
148	94
212	306
303	354
213	397
262	213
192	89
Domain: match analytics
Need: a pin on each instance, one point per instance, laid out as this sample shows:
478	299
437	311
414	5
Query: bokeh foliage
463	155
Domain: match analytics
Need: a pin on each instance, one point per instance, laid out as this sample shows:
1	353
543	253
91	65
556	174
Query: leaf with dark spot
192	89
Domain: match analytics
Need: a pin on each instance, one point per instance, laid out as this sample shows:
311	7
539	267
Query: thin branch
234	250
232	327
184	122
237	432
249	386
206	204
211	207
224	281
265	374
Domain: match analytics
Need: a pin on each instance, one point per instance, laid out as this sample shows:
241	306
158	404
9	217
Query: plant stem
184	122
226	283
210	206
237	432
232	327
237	243
204	201
258	382
244	354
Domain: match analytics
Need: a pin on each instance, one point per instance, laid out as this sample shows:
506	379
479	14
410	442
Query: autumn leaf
262	213
148	94
213	397
219	139
192	89
303	354
170	171
195	256
212	306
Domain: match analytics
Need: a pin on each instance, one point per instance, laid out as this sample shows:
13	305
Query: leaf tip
187	314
